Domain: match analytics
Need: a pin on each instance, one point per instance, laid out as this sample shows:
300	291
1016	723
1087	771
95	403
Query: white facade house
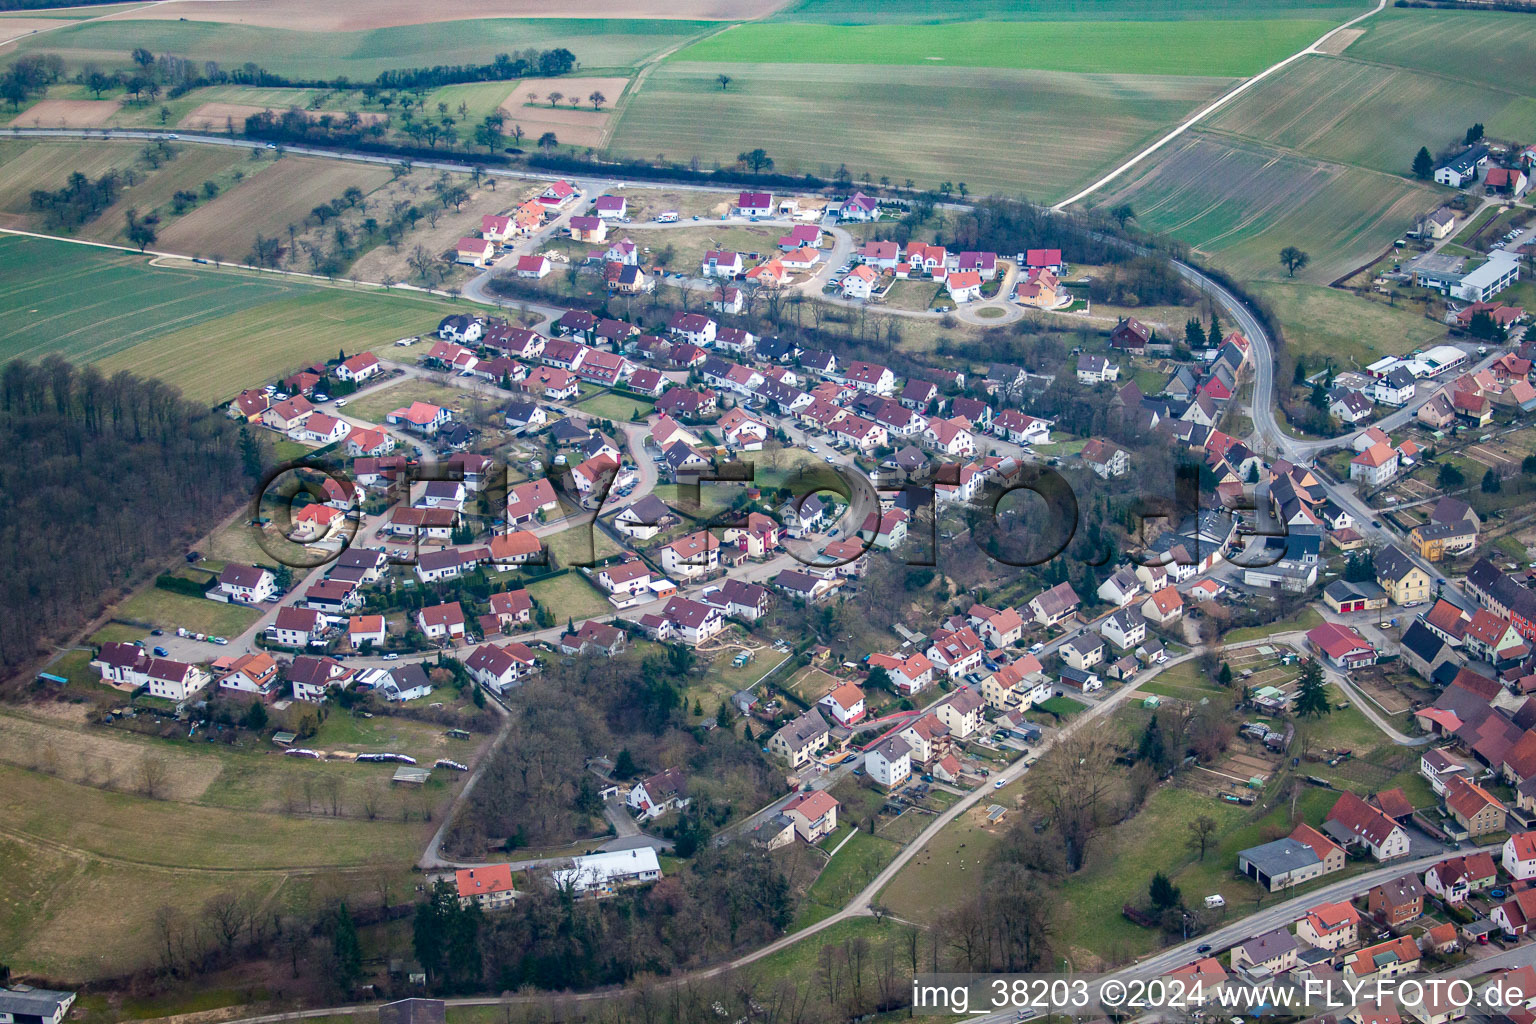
890	763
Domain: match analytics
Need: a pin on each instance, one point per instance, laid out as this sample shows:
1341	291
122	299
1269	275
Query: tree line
108	478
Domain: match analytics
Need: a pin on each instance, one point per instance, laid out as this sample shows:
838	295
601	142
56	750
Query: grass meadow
931	124
1323	323
1224	48
363	55
1239	203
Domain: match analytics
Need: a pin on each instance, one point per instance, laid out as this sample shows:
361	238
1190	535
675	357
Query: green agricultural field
214	361
1239	203
597	43
1226	48
209	332
87	303
1368	114
925	12
1323	323
932	124
1492	48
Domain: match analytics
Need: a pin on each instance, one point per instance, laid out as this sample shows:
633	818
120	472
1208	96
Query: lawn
617	407
932	124
1304	619
1063	706
1329	323
1224	48
1120	865
570	597
577	543
168	610
1238	202
376	405
363	55
853	867
1185	681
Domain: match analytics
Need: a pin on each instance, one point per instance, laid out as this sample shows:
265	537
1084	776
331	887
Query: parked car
161	652
392	656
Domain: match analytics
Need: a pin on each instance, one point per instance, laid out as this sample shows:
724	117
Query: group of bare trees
106	477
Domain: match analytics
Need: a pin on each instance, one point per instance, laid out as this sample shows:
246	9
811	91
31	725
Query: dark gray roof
1345	590
1280	856
1270	944
804	729
1422	642
1393	563
32	1002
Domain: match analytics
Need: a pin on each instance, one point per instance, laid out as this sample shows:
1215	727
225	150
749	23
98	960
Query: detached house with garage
1055	605
247	584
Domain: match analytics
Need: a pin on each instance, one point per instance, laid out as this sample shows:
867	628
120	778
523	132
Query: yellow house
1404	582
1435	541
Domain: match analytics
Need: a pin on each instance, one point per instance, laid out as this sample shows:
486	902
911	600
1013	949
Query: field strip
1212	107
316	279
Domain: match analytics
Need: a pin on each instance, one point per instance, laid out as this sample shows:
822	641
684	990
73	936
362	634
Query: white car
392	656
997	784
811	448
340	402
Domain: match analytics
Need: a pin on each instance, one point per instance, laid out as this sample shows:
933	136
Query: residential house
1384	960
1477	811
442	621
247	584
1397	902
1405	583
1055	605
1330	926
488	886
1353	822
889	763
801	740
1163	606
1341	646
814	814
1267	955
654	796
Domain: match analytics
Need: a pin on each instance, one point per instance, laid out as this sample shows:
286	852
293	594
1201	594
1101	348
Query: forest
108	478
